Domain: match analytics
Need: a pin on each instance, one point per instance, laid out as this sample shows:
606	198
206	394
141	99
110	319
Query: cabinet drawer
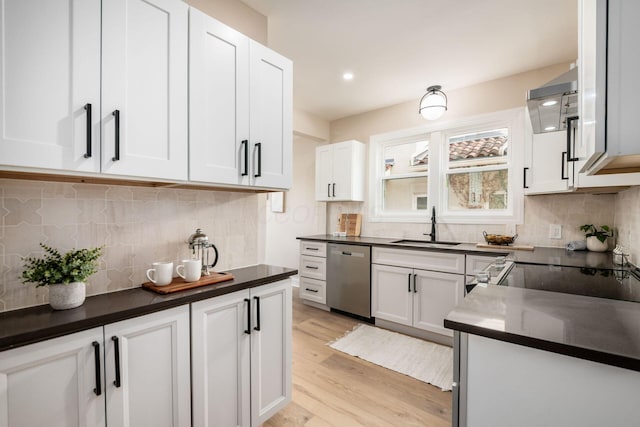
313	290
313	248
313	267
425	260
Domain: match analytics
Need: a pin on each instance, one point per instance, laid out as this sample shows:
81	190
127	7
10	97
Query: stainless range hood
550	104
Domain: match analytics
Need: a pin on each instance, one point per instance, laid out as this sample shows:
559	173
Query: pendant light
434	103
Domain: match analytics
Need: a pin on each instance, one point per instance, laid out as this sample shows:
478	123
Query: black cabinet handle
116	114
328	190
564	160
409	282
346	253
257	327
415	290
311	290
312	249
310	267
570	129
525	178
87	108
245	144
334	189
248	330
116	344
96	351
259	148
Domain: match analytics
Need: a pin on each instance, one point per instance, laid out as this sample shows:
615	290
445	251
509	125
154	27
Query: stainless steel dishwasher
349	278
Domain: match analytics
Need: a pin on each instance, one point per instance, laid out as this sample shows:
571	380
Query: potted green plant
596	237
65	275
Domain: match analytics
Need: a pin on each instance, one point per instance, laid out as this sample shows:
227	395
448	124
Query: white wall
302	215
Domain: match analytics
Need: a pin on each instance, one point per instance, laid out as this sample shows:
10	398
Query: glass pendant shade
433	104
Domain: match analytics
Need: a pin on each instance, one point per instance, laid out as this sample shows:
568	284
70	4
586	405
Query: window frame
437	134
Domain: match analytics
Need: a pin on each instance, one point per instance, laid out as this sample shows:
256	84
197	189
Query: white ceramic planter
595	245
64	297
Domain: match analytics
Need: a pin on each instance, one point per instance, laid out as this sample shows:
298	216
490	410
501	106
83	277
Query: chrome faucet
433	225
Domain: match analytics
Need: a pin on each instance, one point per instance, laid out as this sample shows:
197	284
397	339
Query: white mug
190	270
162	273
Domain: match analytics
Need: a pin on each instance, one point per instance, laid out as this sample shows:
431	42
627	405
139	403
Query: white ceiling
396	48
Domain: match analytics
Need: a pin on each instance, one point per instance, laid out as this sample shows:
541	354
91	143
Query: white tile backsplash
137	225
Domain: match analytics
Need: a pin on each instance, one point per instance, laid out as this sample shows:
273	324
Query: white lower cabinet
134	373
241	356
147	370
413	297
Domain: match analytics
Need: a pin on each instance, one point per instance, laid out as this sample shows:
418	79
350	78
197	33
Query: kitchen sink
425	242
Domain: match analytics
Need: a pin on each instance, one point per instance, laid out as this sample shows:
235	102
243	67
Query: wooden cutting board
178	283
350	223
508	247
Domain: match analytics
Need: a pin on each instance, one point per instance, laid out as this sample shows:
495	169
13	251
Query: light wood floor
331	388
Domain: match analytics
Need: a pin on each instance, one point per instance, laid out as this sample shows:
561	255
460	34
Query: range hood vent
551	104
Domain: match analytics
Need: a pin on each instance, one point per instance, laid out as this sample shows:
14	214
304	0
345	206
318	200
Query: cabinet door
270	350
221	361
218	102
342	171
550	172
271	115
435	296
392	293
148	371
144	88
50	70
53	383
324	172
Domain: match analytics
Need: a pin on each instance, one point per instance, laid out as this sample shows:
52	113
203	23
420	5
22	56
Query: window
403	169
466	169
477	171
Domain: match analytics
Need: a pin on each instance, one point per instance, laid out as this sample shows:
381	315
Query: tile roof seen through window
478	148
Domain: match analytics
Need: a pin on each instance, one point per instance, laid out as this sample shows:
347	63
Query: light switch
555	231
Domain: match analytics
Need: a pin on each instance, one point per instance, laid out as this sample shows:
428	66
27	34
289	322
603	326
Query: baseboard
315	304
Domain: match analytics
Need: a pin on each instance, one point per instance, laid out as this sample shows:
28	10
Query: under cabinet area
135	372
241	356
312	271
114	99
340	171
416	288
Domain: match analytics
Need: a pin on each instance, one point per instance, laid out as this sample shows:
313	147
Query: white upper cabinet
241	108
548	170
609	88
271	116
218	102
340	171
144	88
50	84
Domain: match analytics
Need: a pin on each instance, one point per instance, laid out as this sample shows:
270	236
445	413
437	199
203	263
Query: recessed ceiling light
549	103
548	128
347	76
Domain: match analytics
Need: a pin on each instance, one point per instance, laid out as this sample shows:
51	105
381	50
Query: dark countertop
540	255
596	329
29	325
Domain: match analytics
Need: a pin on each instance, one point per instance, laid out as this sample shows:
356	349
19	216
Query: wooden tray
179	284
506	247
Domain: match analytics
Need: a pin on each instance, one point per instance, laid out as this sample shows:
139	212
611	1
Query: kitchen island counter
596	329
30	325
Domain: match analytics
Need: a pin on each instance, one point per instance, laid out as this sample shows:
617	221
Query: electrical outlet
555	231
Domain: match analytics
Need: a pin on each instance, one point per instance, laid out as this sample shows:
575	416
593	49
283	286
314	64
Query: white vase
65	296
595	245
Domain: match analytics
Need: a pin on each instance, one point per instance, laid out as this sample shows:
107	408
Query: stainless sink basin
424	242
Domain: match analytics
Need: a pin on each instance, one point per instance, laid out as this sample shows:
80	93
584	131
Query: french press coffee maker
201	248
